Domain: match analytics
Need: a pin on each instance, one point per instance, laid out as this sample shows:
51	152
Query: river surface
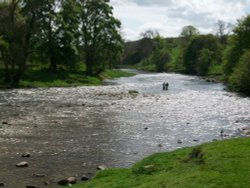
70	131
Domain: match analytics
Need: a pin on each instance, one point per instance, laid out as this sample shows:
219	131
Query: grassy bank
35	78
221	164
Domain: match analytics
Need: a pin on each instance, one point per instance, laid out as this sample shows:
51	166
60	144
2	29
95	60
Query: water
70	131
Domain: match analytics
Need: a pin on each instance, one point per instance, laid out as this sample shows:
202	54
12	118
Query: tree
240	78
150	33
160	55
47	32
223	29
240	41
201	52
100	35
16	26
188	32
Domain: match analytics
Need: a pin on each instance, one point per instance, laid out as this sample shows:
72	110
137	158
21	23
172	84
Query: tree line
225	54
57	33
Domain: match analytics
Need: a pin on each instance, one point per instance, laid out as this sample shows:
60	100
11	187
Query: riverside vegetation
223	57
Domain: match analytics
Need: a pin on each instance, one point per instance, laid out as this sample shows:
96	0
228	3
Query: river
70	131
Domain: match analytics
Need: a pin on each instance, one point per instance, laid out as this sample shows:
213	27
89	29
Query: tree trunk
53	63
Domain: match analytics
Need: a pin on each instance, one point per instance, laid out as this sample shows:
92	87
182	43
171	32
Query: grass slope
223	164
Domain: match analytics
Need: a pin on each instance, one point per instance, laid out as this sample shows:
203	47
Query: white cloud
169	16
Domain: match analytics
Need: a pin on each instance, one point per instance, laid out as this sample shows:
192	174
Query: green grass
223	164
115	73
41	77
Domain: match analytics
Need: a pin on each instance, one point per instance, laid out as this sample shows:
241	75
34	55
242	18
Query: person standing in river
165	86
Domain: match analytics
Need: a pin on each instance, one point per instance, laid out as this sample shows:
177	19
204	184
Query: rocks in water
159	145
84	178
68	181
5	123
133	92
22	164
26	155
179	142
72	180
39	175
63	182
31	186
195	140
102	167
2	184
145	128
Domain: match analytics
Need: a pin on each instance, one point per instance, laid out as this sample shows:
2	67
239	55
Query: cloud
169	16
143	2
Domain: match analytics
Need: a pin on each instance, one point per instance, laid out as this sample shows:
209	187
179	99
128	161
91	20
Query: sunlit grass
221	164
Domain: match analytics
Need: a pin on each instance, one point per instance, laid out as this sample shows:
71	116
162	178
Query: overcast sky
169	16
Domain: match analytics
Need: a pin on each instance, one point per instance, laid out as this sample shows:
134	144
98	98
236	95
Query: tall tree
223	30
16	26
201	52
240	41
100	34
47	31
189	31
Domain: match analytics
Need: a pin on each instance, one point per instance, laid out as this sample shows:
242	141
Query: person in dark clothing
165	86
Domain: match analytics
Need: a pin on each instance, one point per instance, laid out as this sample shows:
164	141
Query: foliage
100	35
160	55
240	41
240	78
202	52
189	31
56	34
115	73
219	164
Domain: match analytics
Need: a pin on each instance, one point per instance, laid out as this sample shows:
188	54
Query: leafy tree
100	35
69	32
16	26
47	32
205	60
200	53
160	55
240	78
188	32
240	41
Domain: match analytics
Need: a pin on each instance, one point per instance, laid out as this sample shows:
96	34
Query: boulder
179	141
31	186
85	178
63	182
22	164
27	155
72	180
102	167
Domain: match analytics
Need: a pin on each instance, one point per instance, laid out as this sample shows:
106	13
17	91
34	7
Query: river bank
40	78
217	164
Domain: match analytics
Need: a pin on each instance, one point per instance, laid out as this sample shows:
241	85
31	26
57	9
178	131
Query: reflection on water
70	131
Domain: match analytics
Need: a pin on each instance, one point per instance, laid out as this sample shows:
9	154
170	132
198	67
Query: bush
240	78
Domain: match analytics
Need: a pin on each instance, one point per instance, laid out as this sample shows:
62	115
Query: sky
170	16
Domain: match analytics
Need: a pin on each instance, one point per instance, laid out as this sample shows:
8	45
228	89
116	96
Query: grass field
220	164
